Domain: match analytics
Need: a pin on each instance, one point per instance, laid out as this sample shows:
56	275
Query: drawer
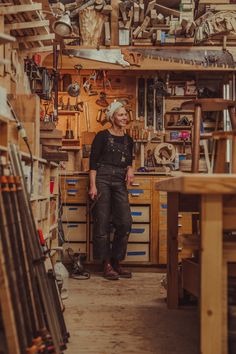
140	183
73	183
74	195
74	213
137	252
139	196
185	223
140	213
139	233
74	231
76	247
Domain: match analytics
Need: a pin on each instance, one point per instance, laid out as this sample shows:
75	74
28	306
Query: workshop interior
171	63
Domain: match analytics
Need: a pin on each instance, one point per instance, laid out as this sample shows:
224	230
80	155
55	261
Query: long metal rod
37	255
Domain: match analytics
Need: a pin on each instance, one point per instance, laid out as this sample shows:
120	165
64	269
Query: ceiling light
62	26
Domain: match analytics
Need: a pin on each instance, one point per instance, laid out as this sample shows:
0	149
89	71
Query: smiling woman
110	173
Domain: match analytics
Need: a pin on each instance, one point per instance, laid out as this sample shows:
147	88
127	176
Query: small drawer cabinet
74	192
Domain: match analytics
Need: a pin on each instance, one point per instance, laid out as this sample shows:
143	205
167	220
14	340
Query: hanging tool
86	115
113	56
69	132
101	116
88	84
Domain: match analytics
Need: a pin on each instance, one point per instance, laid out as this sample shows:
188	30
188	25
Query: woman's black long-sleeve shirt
111	149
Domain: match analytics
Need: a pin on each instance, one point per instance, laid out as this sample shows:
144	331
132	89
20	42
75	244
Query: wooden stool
220	162
206	105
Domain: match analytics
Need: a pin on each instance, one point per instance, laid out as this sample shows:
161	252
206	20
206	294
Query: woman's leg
101	229
101	223
122	221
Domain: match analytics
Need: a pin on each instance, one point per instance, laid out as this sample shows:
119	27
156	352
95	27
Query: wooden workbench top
199	184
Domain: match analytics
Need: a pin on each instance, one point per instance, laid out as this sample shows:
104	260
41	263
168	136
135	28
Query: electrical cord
24	136
78	272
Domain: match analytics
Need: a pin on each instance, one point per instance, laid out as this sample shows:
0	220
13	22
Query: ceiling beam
6	38
24	25
15	9
39	37
48	48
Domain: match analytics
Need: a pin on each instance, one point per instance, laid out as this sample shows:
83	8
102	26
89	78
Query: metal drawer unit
74	192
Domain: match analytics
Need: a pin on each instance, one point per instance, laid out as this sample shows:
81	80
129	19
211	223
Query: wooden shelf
71	148
178	127
6	38
179	112
63	113
3	148
3	119
177	142
180	97
52	227
53	195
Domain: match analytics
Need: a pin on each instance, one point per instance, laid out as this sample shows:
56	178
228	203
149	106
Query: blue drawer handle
164	206
72	225
136	253
72	190
136	191
136	213
72	181
72	208
137	231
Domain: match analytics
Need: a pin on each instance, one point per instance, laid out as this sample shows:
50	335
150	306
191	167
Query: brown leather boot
118	268
108	272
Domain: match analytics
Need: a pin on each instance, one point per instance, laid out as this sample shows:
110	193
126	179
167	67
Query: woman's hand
129	176
93	192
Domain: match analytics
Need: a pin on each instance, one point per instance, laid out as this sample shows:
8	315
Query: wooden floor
128	316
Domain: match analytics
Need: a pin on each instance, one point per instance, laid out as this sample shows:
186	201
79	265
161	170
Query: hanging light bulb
62	26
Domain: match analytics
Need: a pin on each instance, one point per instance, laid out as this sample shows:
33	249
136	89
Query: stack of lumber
146	23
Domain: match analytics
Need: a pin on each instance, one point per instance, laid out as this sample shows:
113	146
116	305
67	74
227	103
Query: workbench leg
172	250
211	274
196	138
225	307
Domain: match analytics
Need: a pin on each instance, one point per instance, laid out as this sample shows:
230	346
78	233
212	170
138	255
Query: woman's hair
112	108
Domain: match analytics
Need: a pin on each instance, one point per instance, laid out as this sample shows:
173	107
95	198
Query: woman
110	172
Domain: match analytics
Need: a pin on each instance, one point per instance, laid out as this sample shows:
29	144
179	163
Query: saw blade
207	58
113	56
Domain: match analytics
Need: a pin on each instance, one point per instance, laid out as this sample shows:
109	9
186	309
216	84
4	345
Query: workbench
214	197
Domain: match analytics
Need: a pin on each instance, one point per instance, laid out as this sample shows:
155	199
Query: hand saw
113	56
206	58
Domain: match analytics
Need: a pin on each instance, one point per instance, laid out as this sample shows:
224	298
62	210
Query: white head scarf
112	108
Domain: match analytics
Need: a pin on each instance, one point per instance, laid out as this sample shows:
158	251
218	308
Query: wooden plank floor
128	316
